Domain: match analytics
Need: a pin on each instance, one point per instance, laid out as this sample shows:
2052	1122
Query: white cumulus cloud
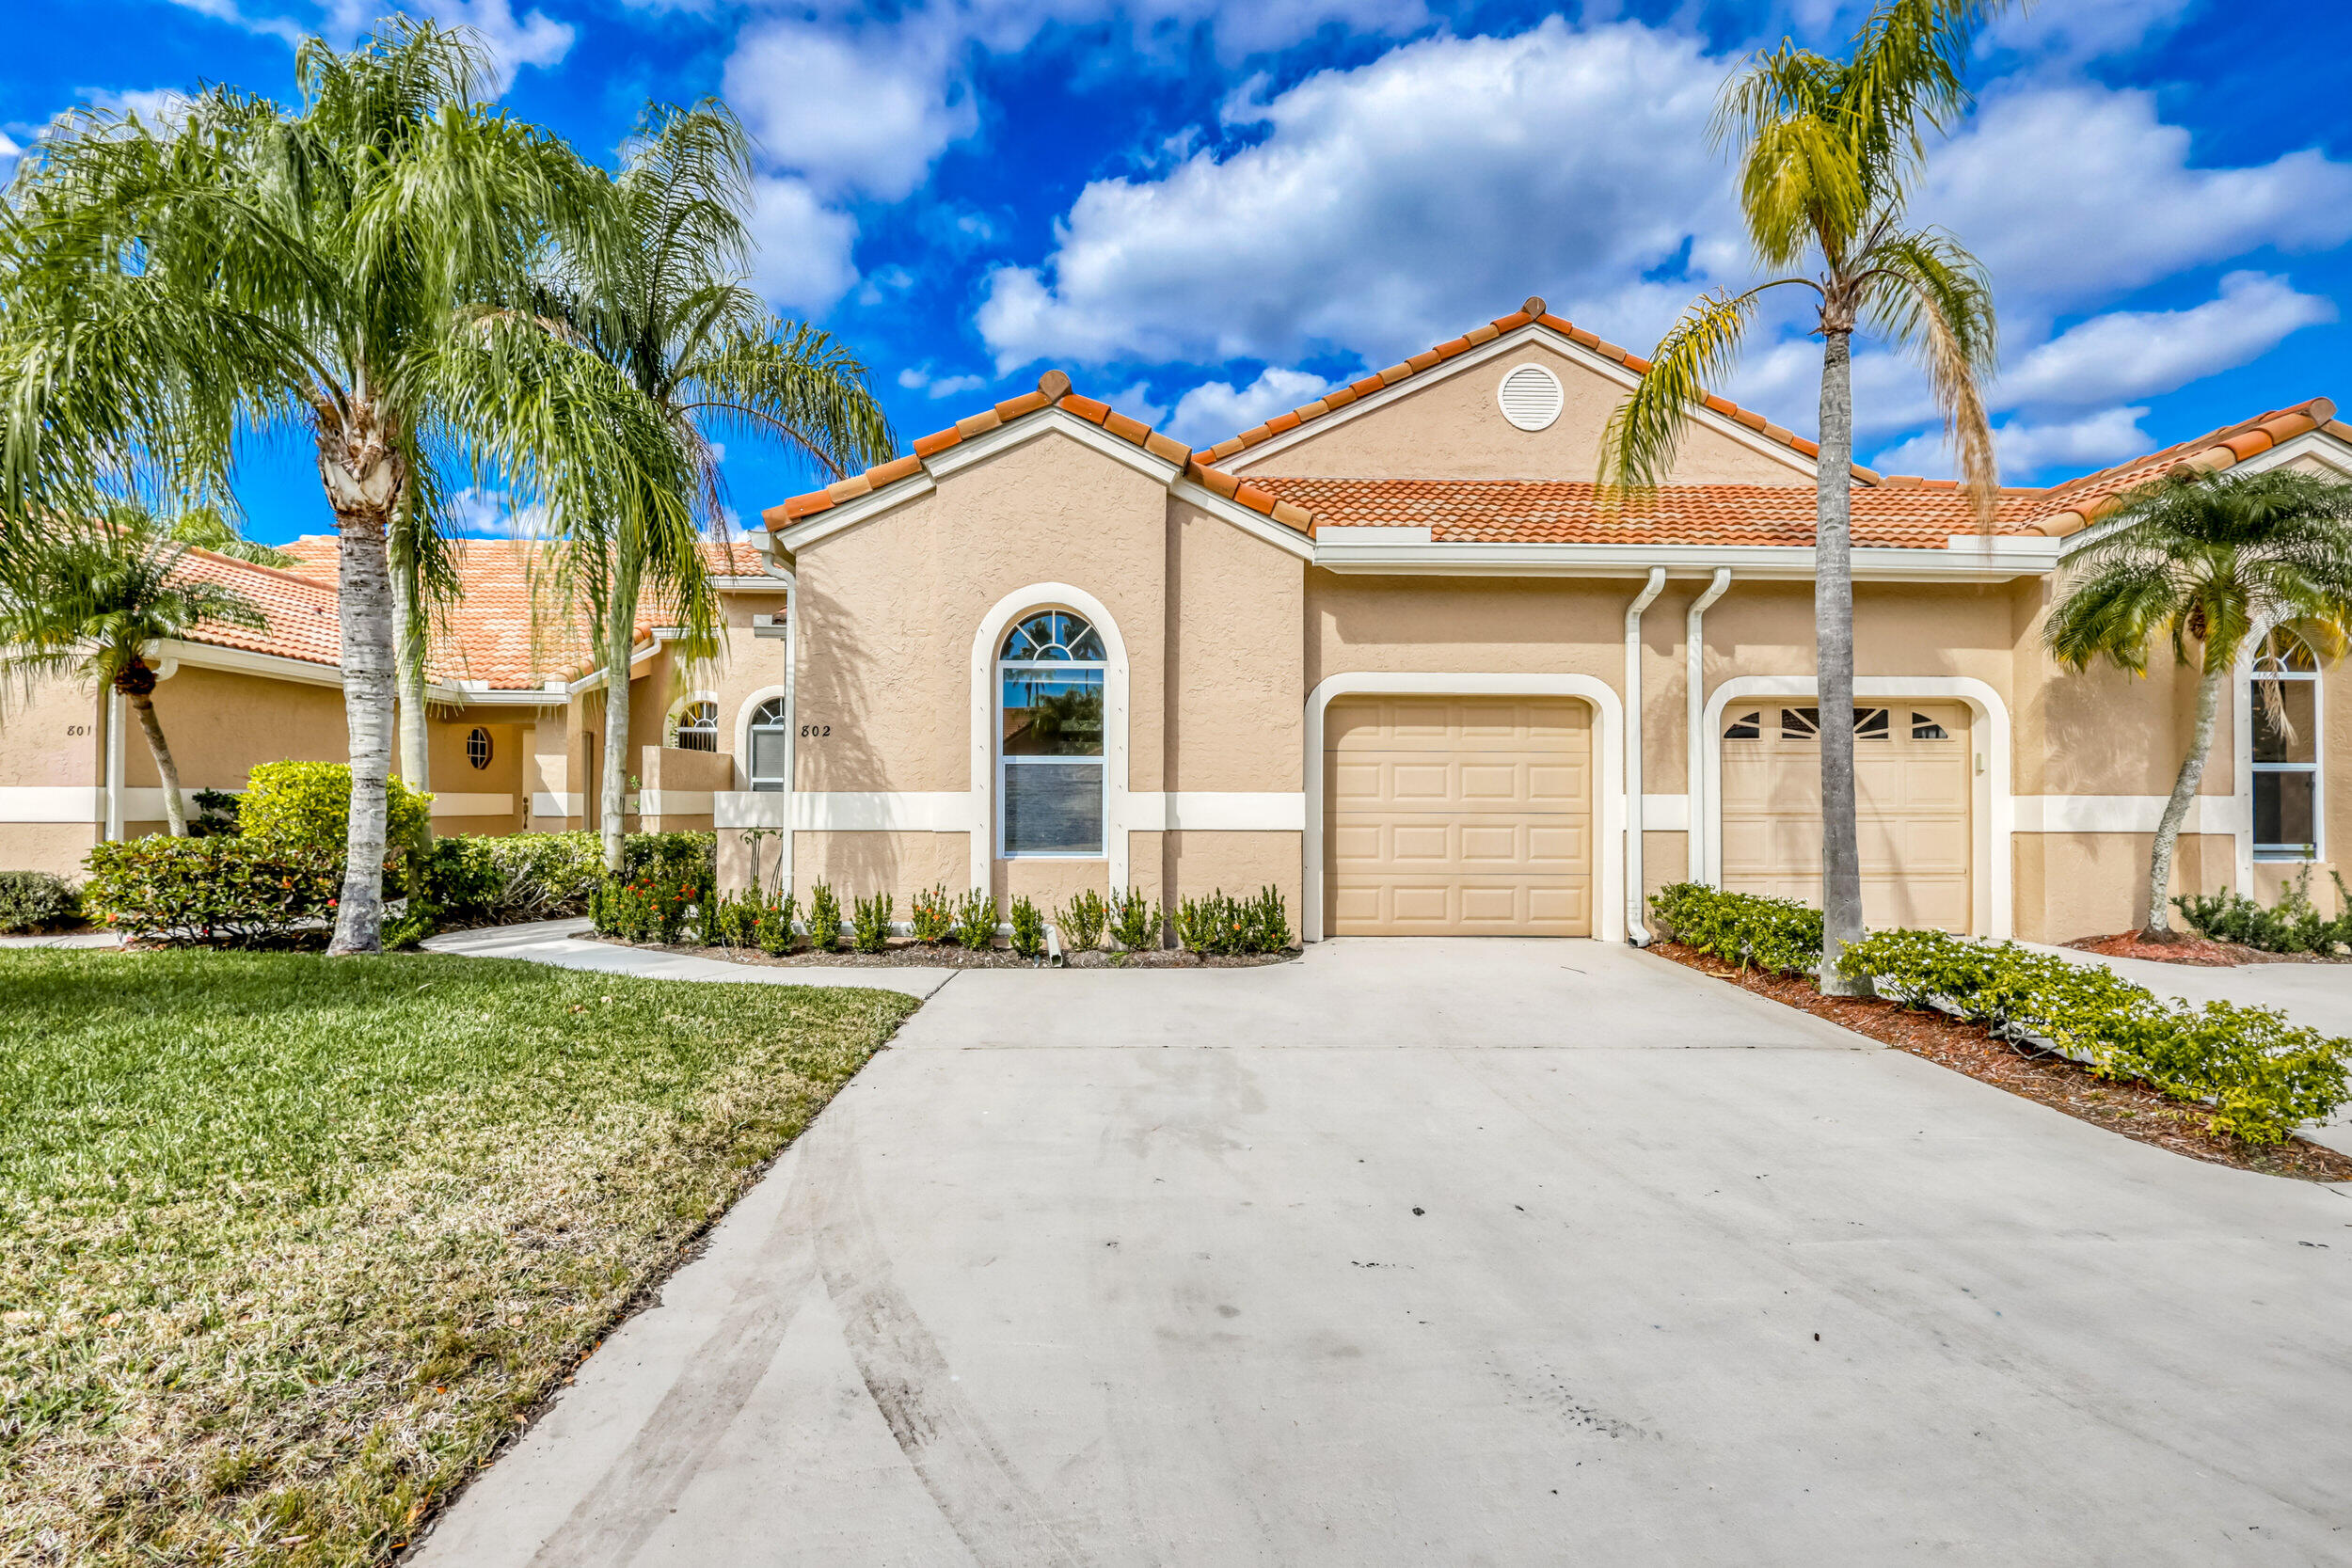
867	113
802	263
2133	353
1391	205
1216	409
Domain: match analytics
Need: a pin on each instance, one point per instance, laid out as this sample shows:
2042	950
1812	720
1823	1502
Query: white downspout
1635	932
114	765
1694	698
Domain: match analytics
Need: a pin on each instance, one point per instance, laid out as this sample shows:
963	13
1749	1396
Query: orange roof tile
1053	391
1534	312
1918	514
2079	502
300	610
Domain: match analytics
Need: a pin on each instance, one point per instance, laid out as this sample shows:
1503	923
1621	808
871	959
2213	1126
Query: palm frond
1645	432
1928	296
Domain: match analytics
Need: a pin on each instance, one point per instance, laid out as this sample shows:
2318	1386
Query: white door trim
1047	596
1992	816
1609	783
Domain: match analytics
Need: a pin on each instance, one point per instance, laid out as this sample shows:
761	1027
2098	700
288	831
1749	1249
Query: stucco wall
52	737
52	847
2071	885
1235	690
219	724
1448	426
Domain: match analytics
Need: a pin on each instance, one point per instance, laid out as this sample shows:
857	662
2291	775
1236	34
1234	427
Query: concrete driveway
1437	1252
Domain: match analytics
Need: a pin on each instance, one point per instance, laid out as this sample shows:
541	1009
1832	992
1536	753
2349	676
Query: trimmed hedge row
37	901
2263	1074
237	890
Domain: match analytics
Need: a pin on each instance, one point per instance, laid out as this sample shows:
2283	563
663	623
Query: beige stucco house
1386	653
1389	653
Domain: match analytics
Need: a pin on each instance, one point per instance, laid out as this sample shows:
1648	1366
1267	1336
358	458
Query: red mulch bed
2129	1107
2202	952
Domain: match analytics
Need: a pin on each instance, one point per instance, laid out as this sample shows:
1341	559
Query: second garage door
1912	786
1458	815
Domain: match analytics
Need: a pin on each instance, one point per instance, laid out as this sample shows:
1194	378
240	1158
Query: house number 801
815	732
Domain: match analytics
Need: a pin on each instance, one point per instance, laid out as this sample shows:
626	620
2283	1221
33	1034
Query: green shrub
1136	921
1028	928
1211	925
37	901
824	919
2263	1074
976	921
216	814
689	857
1779	935
1269	922
226	889
2290	925
870	919
774	930
644	909
932	914
1083	922
731	920
305	807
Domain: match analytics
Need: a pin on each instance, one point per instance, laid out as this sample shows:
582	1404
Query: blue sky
1208	210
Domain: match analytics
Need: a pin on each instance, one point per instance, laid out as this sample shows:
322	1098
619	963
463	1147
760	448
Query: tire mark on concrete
995	1514
640	1489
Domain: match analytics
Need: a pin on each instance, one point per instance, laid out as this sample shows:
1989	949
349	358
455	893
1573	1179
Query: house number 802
815	732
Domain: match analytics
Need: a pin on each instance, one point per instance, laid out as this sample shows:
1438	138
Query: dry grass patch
288	1244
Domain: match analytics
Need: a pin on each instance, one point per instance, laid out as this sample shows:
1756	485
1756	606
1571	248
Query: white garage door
1458	815
1912	780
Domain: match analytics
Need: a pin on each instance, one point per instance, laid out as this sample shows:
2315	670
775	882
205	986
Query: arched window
698	727
1049	700
2283	697
768	753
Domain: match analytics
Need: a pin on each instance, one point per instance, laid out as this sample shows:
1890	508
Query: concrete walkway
2319	995
565	943
1433	1251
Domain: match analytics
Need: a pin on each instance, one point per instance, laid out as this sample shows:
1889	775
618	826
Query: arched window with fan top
1049	770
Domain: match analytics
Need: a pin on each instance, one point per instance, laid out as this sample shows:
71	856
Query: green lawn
286	1242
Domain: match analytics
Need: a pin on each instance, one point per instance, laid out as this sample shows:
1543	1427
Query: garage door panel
1913	796
1458	814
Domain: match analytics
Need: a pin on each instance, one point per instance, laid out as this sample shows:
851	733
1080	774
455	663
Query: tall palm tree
92	603
662	299
2208	561
1828	148
170	287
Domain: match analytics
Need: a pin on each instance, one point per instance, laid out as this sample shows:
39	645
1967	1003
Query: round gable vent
1531	397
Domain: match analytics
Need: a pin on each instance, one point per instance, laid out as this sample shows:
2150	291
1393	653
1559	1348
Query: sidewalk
564	944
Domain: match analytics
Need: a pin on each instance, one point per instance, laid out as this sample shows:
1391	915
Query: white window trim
2242	699
1006	764
752	705
1608	805
1991	816
986	641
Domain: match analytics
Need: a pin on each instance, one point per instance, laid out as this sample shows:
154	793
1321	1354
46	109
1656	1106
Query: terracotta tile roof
1912	515
1053	391
299	608
1532	312
508	628
2079	502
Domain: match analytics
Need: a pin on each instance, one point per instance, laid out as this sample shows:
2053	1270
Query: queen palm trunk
1833	643
2184	794
416	759
138	685
363	482
619	635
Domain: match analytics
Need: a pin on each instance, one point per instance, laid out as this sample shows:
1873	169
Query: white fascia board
1280	535
2331	450
1784	561
466	696
849	513
243	661
1349	533
1511	343
762	584
1029	427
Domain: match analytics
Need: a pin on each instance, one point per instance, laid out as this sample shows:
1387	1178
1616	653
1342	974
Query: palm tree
662	299
170	287
2209	561
92	603
1827	151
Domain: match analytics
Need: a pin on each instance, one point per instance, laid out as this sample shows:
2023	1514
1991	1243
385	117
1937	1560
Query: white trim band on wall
1609	814
2223	816
1990	818
54	804
484	804
546	803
